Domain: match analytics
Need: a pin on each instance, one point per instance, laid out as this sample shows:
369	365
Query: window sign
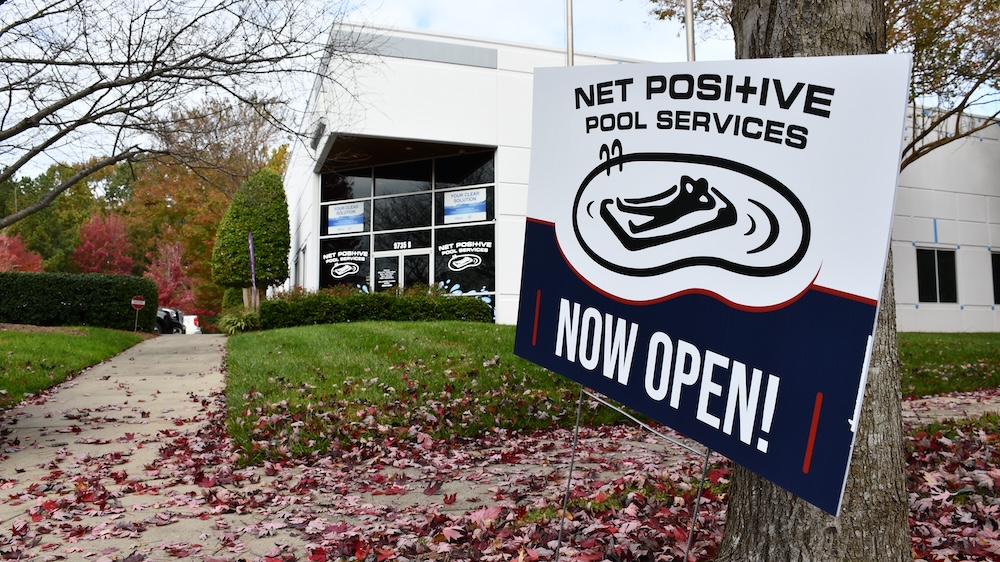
465	259
386	273
464	206
706	243
344	261
345	218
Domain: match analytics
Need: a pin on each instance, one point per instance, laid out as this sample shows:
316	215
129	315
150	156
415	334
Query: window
349	185
397	179
996	278
936	281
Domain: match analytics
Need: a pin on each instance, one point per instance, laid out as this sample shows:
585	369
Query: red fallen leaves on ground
631	502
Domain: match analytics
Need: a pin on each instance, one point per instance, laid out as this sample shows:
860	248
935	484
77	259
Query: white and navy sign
344	218
706	243
464	206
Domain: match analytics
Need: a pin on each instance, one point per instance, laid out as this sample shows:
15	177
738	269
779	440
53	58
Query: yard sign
706	243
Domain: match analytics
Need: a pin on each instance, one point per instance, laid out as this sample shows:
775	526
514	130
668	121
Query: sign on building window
345	218
464	206
706	243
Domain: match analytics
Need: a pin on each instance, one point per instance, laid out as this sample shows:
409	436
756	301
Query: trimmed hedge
332	308
232	298
63	299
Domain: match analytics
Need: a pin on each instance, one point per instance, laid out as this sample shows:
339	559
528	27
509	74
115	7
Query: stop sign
138	302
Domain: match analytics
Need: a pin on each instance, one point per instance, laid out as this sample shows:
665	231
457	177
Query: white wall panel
994	229
429	101
971	207
514	110
975	276
945	205
512	165
904	204
527	60
993	208
977	319
973	233
904	269
908	229
947	231
921	202
511	199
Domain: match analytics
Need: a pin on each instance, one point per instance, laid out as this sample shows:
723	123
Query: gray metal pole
689	27
569	32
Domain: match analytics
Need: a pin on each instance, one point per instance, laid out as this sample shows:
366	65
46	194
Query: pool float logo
342	270
462	262
649	214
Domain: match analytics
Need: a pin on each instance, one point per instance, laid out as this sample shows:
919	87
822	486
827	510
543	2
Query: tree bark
765	523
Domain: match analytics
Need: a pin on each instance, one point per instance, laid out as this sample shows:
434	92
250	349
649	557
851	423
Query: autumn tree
54	232
103	246
14	256
93	80
259	209
220	142
168	271
955	86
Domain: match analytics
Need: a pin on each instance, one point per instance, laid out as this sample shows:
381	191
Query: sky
621	28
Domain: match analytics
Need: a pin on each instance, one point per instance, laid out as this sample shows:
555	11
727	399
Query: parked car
169	321
191	324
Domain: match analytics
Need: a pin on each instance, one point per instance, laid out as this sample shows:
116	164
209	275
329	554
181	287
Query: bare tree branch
102	77
956	62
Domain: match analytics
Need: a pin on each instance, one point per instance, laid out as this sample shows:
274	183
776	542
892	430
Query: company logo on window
342	270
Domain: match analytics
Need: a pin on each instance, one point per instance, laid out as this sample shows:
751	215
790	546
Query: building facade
418	174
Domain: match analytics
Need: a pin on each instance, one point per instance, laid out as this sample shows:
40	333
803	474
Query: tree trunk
765	523
251	299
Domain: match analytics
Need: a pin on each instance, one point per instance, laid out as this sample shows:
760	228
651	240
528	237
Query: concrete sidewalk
106	424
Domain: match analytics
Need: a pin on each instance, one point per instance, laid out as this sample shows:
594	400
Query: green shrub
239	320
63	299
232	298
333	306
259	207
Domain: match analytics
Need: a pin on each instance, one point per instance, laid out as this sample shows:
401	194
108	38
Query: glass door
397	270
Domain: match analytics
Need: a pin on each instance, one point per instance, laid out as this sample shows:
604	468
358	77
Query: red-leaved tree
14	256
103	246
167	270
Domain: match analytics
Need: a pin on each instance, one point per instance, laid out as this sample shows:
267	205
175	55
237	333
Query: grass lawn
348	383
33	361
342	384
932	363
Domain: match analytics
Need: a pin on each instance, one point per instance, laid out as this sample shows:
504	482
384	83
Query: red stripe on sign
812	433
538	305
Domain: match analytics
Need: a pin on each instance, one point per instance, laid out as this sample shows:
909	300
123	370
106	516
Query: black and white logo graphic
648	214
342	270
462	262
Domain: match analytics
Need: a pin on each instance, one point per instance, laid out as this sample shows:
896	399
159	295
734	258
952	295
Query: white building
421	176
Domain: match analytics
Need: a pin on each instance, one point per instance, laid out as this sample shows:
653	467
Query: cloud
610	27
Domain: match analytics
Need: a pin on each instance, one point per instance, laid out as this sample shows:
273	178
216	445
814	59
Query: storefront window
356	184
397	179
464	169
409	211
428	221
